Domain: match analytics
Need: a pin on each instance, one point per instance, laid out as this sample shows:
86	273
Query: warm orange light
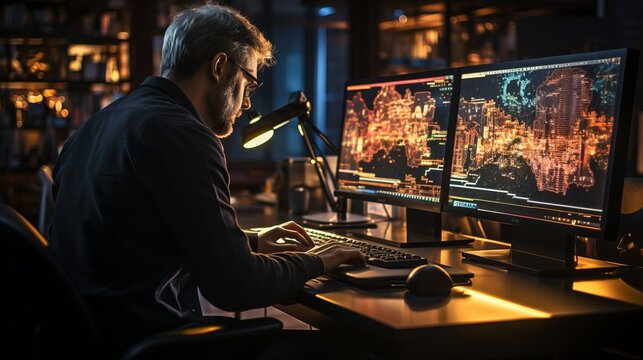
508	304
124	60
32	97
18	118
76	64
616	289
19	101
112	74
486	11
201	330
82	49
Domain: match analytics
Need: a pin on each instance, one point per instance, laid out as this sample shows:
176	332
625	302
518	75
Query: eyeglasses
250	89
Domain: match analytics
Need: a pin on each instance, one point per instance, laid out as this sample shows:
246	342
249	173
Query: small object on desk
429	279
299	200
266	198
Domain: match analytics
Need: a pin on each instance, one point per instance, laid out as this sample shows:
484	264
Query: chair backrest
46	199
48	318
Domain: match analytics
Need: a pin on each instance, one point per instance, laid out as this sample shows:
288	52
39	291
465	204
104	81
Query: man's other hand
333	255
288	236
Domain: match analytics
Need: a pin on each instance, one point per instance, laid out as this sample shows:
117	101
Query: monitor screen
534	141
394	139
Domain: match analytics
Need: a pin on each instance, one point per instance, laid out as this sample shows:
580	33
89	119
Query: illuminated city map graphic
394	138
536	138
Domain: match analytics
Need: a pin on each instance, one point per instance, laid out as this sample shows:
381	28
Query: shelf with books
415	36
60	62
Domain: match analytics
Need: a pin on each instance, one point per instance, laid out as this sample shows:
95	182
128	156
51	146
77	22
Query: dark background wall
319	45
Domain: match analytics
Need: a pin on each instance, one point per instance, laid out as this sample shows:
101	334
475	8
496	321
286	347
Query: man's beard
222	114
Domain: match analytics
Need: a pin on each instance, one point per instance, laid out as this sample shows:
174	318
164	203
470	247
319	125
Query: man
142	206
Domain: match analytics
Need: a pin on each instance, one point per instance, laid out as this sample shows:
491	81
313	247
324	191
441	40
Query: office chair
48	318
46	199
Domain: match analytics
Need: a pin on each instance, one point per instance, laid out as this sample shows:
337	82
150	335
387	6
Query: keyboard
375	255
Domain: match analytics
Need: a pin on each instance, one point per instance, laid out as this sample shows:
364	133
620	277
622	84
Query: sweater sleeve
182	165
253	239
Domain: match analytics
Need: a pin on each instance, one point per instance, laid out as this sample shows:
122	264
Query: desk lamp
262	128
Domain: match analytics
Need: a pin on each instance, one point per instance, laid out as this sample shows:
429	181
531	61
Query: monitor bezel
388	199
615	171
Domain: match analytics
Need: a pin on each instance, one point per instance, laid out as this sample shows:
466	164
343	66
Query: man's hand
288	236
333	255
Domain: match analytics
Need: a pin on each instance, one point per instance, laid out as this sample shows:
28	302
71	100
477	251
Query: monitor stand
540	253
337	220
421	229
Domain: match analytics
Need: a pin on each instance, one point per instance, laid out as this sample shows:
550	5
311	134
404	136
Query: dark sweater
142	215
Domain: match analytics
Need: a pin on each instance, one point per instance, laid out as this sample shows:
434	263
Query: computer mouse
429	279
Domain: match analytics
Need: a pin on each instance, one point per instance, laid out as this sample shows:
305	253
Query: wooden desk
503	314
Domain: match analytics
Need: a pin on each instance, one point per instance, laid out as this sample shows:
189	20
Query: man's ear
216	65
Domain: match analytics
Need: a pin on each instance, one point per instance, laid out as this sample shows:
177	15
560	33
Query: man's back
106	225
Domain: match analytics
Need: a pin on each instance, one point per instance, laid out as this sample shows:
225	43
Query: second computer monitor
540	144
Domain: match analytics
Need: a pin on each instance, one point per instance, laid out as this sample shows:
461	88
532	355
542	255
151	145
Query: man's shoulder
146	108
155	115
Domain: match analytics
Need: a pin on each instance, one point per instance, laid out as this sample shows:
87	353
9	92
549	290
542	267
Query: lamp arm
324	138
326	164
318	167
326	141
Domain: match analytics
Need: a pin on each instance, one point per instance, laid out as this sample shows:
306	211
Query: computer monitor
541	144
393	148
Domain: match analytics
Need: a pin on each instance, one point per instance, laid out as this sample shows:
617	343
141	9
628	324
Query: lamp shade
261	128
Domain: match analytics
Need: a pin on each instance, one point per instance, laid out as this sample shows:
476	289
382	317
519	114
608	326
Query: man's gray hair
196	35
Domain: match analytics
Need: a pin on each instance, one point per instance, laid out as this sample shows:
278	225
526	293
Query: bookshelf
419	36
60	61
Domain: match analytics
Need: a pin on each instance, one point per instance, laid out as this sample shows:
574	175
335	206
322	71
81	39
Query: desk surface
503	314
